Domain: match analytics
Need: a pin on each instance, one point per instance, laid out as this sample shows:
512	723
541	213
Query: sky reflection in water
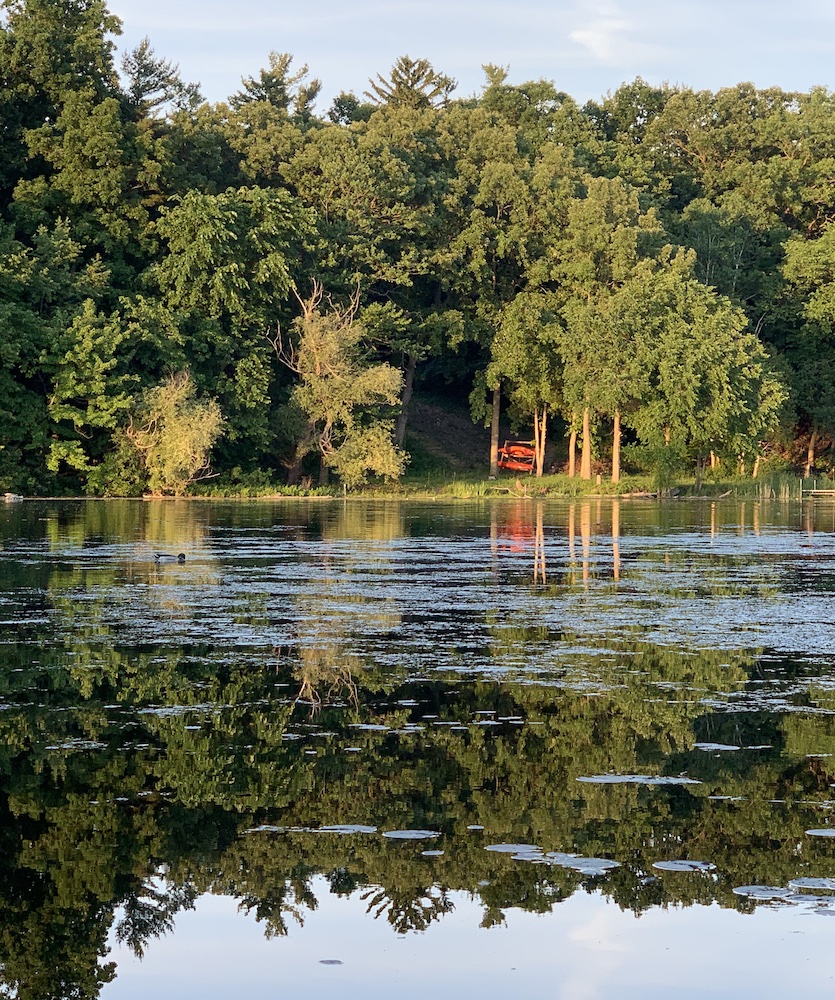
586	949
632	704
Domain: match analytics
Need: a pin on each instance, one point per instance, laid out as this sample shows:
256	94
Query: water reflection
549	691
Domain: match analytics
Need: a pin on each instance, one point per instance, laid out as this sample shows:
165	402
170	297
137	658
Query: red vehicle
517	455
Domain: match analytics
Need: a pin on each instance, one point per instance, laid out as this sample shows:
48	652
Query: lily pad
514	848
267	828
762	891
684	866
813	883
410	834
638	779
347	828
561	859
593	866
827	832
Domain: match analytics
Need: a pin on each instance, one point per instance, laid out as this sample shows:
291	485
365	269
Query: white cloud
614	39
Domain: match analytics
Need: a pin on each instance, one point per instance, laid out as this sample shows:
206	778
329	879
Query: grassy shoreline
780	486
776	486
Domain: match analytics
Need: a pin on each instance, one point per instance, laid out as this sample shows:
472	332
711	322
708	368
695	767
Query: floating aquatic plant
410	834
684	866
347	828
638	779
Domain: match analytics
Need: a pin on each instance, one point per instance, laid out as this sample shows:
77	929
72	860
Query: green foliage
154	84
413	83
666	462
340	392
277	86
367	451
511	239
229	255
174	432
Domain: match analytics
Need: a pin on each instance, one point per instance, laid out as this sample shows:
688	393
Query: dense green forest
256	288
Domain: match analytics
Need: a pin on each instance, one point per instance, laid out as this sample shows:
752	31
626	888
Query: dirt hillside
442	436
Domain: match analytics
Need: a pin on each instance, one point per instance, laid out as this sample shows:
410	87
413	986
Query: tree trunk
585	458
405	399
810	454
494	432
540	425
616	449
324	471
572	452
294	470
756	469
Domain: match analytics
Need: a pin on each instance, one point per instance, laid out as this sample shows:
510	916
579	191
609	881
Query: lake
353	749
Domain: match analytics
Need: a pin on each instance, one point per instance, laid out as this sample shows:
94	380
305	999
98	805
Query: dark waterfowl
167	557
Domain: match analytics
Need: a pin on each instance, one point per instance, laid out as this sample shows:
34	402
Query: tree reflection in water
139	775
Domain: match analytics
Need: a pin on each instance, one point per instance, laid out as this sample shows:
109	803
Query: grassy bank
466	486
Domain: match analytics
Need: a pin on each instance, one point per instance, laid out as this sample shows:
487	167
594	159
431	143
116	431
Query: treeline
255	287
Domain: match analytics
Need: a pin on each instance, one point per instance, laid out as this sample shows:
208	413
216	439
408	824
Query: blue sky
586	47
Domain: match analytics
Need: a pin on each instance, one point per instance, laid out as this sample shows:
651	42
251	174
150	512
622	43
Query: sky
586	47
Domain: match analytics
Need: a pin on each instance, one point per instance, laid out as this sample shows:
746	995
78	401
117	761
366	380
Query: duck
167	557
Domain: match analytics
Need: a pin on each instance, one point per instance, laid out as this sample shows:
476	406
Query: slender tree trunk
756	469
540	424
536	438
810	453
405	399
585	458
324	471
616	449
494	432
572	451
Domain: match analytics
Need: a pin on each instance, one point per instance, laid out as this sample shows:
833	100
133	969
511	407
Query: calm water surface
558	750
